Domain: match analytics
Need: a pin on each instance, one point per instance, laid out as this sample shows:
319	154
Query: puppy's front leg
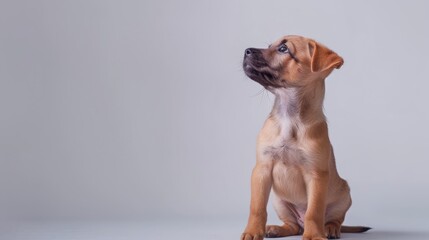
317	185
260	191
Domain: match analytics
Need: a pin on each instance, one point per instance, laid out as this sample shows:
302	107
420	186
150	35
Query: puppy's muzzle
253	58
257	68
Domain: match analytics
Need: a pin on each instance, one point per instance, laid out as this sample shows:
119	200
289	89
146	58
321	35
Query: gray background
140	110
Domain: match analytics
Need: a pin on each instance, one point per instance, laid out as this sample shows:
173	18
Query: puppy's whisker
258	93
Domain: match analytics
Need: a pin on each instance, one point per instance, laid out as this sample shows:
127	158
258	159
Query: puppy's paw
252	236
313	231
333	230
274	231
313	238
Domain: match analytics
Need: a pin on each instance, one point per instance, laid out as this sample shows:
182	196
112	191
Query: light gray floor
164	230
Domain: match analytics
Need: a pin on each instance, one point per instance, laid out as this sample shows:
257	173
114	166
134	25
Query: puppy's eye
283	48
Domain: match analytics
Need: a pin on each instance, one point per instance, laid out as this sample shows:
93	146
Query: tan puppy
294	156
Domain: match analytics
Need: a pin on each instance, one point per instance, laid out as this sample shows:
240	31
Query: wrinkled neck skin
300	103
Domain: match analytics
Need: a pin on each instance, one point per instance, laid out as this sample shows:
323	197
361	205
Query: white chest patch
285	146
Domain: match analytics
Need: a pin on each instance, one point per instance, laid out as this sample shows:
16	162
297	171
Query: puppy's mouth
258	70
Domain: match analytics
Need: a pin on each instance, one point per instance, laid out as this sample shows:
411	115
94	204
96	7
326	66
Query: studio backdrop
141	110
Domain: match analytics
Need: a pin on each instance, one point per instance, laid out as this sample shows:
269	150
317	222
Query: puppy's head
290	62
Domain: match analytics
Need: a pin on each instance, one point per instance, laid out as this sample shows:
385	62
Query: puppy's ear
322	58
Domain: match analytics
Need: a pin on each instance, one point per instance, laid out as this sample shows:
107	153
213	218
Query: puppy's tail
354	229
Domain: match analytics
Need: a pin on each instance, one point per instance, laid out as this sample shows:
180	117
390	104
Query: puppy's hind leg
336	212
290	226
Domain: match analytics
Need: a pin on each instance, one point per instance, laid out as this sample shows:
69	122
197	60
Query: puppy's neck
303	104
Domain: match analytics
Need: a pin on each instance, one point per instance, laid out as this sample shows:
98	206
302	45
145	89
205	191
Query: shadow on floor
391	235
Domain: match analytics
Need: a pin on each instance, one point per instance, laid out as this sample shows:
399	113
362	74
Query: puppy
294	155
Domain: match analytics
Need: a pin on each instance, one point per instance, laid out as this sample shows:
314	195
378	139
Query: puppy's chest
286	146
